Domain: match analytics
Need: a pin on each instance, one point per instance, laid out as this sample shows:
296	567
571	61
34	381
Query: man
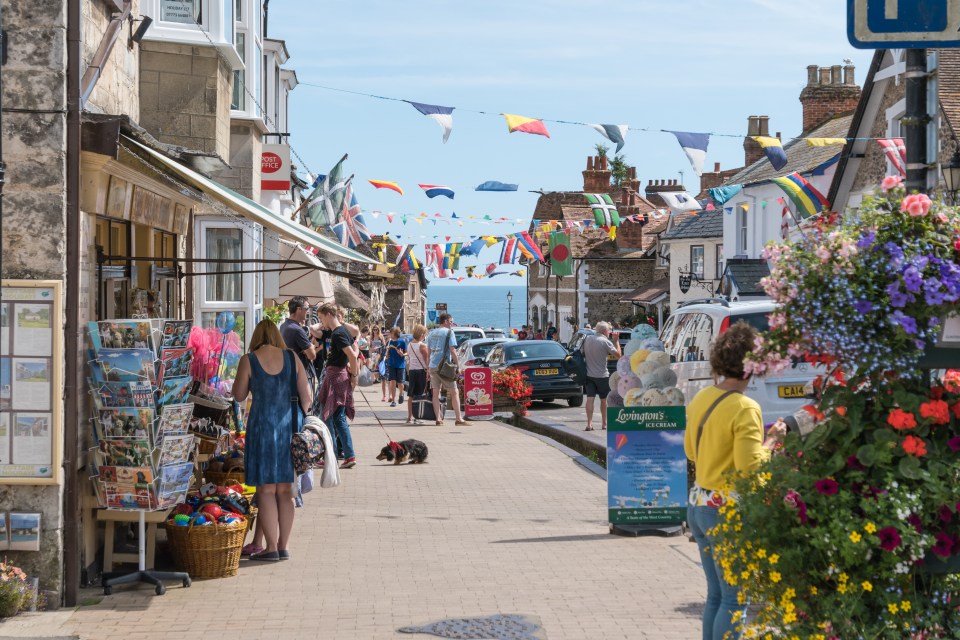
522	334
339	379
596	349
436	342
297	339
551	331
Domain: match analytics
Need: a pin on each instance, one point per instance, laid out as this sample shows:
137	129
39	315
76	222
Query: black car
544	364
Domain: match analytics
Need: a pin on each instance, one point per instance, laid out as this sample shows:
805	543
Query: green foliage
276	314
602	150
619	170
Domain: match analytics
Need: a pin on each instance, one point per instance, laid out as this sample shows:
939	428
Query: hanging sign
646	465
275	167
477	392
441	306
685	283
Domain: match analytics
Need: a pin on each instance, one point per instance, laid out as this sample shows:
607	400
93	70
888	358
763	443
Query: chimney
596	179
756	126
830	92
655	187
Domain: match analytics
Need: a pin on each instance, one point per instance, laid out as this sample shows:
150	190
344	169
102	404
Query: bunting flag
352	230
721	195
695	146
519	273
896	153
408	260
773	150
560	261
451	256
785	223
508	253
808	200
491	240
615	133
528	247
473	247
326	201
824	142
441	115
383	184
469	271
434	190
525	125
491	268
604	211
821	169
680	201
493	185
438	259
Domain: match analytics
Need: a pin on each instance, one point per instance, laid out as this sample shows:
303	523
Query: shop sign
477	392
646	465
685	283
275	167
441	306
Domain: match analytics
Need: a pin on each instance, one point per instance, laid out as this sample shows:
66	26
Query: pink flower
823	253
954	443
940	217
889	538
793	500
891	182
827	486
944	545
916	204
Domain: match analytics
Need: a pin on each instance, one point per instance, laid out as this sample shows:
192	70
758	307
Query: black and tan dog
412	451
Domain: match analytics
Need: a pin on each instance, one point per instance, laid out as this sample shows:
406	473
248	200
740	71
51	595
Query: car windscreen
758	321
482	349
534	350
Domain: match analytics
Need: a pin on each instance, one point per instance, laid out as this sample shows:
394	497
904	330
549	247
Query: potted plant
854	530
14	590
510	391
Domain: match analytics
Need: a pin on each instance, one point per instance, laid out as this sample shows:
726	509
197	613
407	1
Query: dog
412	451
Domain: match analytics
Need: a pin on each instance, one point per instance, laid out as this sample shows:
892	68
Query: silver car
470	350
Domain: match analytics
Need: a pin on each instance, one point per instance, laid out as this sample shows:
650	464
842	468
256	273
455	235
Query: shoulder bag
446	369
703	421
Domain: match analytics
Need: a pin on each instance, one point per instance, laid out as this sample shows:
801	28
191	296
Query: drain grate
495	627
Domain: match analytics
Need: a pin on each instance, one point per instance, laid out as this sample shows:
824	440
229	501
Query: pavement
499	521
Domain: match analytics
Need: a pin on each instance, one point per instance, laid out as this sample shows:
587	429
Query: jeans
723	614
341	428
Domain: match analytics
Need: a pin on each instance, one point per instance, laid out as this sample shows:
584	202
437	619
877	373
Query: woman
396	364
363	342
417	371
724	435
273	375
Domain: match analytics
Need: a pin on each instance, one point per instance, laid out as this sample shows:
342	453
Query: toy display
644	377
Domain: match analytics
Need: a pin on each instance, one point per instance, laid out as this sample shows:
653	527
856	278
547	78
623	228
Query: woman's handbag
446	369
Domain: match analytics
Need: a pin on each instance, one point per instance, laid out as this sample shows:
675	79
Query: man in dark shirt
297	339
336	391
551	332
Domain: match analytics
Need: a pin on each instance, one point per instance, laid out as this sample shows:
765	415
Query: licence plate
791	391
546	372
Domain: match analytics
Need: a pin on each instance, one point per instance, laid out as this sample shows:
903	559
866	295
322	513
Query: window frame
216	23
702	260
718	263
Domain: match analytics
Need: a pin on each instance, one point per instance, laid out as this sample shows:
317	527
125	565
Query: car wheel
575	402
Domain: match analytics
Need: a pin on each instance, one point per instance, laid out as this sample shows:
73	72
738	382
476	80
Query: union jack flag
352	230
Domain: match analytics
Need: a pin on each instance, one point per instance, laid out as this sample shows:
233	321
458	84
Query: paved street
499	521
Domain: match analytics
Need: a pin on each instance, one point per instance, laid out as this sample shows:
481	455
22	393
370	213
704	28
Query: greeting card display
121	334
127	365
176	333
134	423
175	362
174	419
123	394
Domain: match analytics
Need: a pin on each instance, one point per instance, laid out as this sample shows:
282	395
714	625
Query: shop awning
256	212
315	286
649	294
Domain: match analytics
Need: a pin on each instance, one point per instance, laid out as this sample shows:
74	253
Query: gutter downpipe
71	418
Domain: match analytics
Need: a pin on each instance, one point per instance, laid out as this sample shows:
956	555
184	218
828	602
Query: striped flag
615	133
441	115
808	200
896	152
773	150
508	253
528	247
434	190
525	125
695	146
785	223
352	230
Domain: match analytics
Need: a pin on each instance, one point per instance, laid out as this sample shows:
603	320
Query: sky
685	65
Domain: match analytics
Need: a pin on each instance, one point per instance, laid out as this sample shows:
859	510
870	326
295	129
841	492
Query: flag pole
293	216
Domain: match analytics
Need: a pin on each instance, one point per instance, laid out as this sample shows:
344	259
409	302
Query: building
695	246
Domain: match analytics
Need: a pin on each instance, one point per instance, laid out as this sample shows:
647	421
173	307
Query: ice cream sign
275	167
477	391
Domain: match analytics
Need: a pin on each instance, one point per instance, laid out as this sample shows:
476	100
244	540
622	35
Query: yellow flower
842	587
855	537
843	577
870	527
814	591
790	593
893	608
790	617
905	605
761	553
866	585
774	558
775	576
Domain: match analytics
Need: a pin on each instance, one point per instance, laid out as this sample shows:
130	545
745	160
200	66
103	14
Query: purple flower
895	252
854	464
909	324
945	513
866	240
889	538
944	545
954	444
827	486
863	306
898	299
912	279
914	521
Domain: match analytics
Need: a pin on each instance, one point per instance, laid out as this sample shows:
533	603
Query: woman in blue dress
281	396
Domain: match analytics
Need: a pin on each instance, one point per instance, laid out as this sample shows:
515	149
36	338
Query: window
696	260
741	231
719	264
238	101
164	246
182	11
224	244
193	22
114	237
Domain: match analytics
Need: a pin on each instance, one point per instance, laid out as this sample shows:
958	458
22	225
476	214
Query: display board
31	381
478	392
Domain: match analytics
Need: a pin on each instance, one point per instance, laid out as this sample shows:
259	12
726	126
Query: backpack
306	449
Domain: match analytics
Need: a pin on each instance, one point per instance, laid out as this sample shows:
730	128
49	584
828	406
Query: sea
483	305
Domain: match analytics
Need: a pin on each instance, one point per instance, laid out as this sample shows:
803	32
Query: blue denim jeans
341	428
723	614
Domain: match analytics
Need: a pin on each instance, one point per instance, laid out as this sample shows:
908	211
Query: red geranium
900	419
914	446
937	410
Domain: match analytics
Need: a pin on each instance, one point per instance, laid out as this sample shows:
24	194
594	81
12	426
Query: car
690	331
545	364
494	333
462	334
475	349
576	343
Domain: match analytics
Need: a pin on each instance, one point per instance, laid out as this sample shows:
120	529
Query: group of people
527	332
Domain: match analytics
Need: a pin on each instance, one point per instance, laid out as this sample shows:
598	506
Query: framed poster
31	382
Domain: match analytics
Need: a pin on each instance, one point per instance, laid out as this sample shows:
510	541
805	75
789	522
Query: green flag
604	210
326	202
560	262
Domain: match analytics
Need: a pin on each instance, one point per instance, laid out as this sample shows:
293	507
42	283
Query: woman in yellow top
724	434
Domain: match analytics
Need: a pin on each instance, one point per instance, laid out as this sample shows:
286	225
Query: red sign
275	167
478	391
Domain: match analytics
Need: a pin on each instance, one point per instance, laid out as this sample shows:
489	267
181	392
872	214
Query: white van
462	334
689	332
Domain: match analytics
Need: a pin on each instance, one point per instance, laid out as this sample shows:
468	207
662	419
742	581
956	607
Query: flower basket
511	392
208	551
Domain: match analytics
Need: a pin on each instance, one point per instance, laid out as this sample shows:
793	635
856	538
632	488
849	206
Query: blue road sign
912	24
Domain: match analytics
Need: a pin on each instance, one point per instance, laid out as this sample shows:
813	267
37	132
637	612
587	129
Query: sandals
462	423
251	549
439	423
589	429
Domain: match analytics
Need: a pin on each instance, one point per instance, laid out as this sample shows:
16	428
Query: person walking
417	371
443	345
522	334
596	349
396	365
336	390
297	339
281	395
724	434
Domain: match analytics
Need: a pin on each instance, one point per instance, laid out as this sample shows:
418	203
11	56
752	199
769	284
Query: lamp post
951	176
509	303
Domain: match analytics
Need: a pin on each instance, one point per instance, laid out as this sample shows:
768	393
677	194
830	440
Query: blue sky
687	65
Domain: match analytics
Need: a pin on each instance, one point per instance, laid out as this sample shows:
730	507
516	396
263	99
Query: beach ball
213	510
631	347
674	397
633	398
626	383
623	365
642	331
614	399
201	520
226	321
638	356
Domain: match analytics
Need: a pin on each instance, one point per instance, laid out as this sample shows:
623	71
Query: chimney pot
633	200
716	167
753	126
649	183
824	75
764	128
589	163
835	74
603	162
848	74
811	75
778	135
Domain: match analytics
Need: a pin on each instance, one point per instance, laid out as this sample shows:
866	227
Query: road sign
441	306
911	24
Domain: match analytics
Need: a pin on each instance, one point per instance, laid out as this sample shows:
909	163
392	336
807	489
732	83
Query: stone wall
627	274
607	306
34	212
185	96
117	90
244	160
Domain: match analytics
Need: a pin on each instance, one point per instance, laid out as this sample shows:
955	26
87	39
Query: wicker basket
223	478
207	551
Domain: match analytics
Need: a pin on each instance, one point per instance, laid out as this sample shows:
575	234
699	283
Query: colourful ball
201	520
213	510
181	518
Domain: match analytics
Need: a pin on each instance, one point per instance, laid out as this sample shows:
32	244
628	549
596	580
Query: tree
619	170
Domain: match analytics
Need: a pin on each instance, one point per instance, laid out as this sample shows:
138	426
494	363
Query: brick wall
185	96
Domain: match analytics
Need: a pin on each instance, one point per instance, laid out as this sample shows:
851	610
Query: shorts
397	374
439	383
596	387
418	382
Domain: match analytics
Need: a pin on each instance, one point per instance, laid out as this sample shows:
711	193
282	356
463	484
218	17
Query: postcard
24	531
124	334
127	365
32	438
126	475
130	496
174	390
124	394
175	449
131	423
176	333
32	330
124	453
175	362
32	385
174	483
175	418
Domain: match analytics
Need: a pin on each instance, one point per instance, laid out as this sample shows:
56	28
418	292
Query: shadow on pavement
580	538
